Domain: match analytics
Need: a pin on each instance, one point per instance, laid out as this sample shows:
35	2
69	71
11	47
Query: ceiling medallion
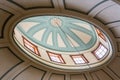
56	22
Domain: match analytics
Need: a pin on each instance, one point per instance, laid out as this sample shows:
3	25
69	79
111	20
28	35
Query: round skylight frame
76	67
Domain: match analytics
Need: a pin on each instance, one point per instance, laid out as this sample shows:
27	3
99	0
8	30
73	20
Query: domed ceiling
59	33
104	14
67	42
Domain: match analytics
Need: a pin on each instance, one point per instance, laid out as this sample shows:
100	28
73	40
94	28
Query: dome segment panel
51	33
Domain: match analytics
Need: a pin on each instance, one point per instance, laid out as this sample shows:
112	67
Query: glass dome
63	42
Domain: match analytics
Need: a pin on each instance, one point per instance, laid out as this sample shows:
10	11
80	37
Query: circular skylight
59	33
61	42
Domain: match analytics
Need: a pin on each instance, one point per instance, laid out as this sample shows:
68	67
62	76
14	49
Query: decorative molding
113	71
91	76
103	72
10	16
57	74
107	74
99	13
64	3
118	46
99	20
113	32
93	73
97	5
112	22
36	7
85	78
82	11
28	68
21	61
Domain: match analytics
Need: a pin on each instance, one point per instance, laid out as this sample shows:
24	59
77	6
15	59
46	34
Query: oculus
63	42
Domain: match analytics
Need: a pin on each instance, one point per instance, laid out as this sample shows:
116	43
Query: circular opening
56	22
62	42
